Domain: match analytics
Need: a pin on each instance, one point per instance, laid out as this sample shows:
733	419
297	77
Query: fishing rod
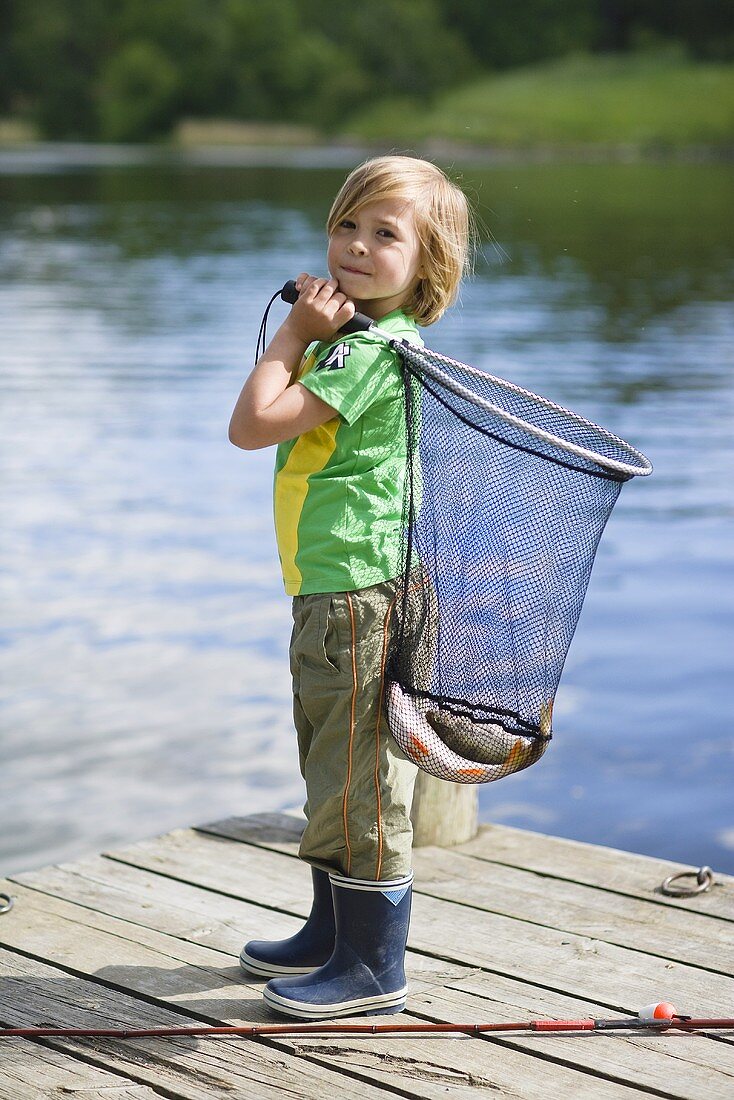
659	1017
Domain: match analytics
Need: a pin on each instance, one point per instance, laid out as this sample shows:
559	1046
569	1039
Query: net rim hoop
641	469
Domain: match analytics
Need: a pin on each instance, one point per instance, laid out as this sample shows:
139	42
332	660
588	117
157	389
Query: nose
357	247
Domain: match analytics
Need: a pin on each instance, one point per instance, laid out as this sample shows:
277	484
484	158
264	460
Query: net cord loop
262	335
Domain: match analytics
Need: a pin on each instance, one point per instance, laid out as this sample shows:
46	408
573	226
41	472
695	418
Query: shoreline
17	156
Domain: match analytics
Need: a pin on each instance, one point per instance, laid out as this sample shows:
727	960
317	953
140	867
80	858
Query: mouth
353	270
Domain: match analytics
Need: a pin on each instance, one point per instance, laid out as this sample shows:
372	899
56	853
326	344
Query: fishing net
506	498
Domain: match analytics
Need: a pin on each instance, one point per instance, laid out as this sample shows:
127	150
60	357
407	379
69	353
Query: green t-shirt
338	494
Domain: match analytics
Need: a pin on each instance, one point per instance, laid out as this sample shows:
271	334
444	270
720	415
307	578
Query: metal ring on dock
6	903
704	880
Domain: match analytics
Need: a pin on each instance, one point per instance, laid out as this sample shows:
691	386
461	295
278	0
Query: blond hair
443	220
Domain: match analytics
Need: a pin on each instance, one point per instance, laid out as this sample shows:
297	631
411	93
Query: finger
300	280
312	287
308	283
328	289
344	313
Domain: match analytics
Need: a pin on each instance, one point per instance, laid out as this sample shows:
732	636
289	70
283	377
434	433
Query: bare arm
272	407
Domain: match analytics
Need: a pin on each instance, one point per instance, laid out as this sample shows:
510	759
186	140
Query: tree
137	97
503	35
56	50
128	69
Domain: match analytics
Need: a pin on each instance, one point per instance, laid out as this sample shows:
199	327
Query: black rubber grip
358	323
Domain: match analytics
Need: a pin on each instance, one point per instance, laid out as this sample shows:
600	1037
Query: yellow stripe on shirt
309	455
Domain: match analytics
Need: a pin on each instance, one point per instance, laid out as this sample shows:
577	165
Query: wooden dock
512	925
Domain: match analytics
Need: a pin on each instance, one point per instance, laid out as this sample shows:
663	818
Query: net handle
360	322
641	467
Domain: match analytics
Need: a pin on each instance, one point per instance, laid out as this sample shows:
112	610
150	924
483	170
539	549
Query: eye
346	223
385	233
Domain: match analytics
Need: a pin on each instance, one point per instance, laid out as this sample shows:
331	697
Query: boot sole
383	1003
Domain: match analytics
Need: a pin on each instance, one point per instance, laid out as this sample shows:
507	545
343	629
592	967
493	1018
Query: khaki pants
359	784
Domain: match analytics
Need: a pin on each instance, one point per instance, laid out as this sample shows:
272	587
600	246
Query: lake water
143	651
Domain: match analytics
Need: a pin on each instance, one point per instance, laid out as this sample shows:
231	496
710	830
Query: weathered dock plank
421	1066
592	911
693	1068
625	873
595	865
192	1068
186	1068
202	917
573	963
430	978
153	931
34	1070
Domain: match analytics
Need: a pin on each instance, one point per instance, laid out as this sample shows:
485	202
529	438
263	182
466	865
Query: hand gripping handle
358	323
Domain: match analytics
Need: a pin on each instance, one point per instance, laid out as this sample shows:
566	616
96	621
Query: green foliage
194	36
504	34
657	100
704	28
709	27
56	48
138	90
8	77
403	47
129	69
318	64
279	68
126	71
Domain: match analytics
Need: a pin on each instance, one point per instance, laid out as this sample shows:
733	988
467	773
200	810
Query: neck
377	308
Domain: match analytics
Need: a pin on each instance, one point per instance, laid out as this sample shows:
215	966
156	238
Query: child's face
375	255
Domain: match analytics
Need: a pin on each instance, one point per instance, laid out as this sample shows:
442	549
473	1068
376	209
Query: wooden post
443	813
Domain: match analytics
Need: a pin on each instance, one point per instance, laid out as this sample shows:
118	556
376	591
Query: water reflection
144	645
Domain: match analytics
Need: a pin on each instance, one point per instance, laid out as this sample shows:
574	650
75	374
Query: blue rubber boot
366	974
304	952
